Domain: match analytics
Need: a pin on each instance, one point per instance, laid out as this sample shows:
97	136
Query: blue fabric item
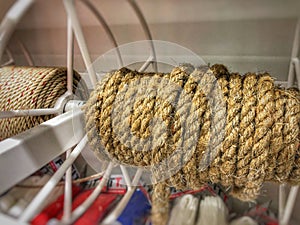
136	211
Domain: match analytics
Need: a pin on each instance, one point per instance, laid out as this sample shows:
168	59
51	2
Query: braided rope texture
32	88
259	121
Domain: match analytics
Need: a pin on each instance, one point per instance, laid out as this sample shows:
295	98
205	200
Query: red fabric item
53	209
79	199
98	210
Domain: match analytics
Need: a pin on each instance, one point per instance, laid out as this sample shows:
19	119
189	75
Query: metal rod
11	59
289	205
71	11
111	218
146	64
58	108
68	191
89	201
28	112
70	57
107	29
126	175
295	51
26	53
282	200
37	204
146	29
297	70
11	20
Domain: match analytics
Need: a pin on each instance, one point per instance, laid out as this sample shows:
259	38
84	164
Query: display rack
65	131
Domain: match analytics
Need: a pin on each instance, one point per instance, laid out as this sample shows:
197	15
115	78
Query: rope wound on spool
247	135
23	88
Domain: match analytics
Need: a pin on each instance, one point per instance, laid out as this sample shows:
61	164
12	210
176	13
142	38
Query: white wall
244	35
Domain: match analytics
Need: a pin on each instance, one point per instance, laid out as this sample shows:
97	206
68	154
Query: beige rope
254	127
32	88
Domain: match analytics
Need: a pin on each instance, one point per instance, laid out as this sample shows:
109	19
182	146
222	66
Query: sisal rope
254	127
32	88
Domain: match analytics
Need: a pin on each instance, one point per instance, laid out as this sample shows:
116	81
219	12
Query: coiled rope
259	123
32	88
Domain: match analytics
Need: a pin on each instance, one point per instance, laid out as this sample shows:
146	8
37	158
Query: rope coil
254	127
32	88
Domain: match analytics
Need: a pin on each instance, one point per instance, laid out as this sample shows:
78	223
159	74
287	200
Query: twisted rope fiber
260	123
32	88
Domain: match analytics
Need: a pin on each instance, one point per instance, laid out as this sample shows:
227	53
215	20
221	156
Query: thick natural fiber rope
260	124
32	88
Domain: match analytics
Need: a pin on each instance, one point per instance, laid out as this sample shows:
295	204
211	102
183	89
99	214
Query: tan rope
254	127
32	88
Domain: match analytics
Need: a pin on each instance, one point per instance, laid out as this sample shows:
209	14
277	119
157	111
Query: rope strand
32	88
245	137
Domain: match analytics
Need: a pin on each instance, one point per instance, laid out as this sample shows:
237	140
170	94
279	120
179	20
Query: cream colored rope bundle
32	88
260	123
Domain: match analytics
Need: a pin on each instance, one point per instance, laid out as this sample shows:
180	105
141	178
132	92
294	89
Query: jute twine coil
32	88
260	123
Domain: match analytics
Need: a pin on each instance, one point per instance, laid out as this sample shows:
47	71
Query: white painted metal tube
282	200
28	112
68	191
10	21
289	205
70	57
71	11
89	201
113	216
147	32
294	54
37	204
107	29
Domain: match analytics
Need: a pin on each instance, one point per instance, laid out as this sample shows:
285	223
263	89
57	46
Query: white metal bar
10	21
289	205
126	175
27	112
70	57
294	54
68	180
89	201
295	49
68	191
297	70
58	108
291	74
34	148
107	29
113	216
37	203
11	59
137	177
147	32
146	64
71	11
282	200
26	53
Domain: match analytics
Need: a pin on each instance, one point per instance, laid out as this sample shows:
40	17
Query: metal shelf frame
65	131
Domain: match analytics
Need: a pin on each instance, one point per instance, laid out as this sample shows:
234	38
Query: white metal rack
69	122
23	146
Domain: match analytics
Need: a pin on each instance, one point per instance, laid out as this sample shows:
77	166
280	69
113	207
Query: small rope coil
254	127
24	88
